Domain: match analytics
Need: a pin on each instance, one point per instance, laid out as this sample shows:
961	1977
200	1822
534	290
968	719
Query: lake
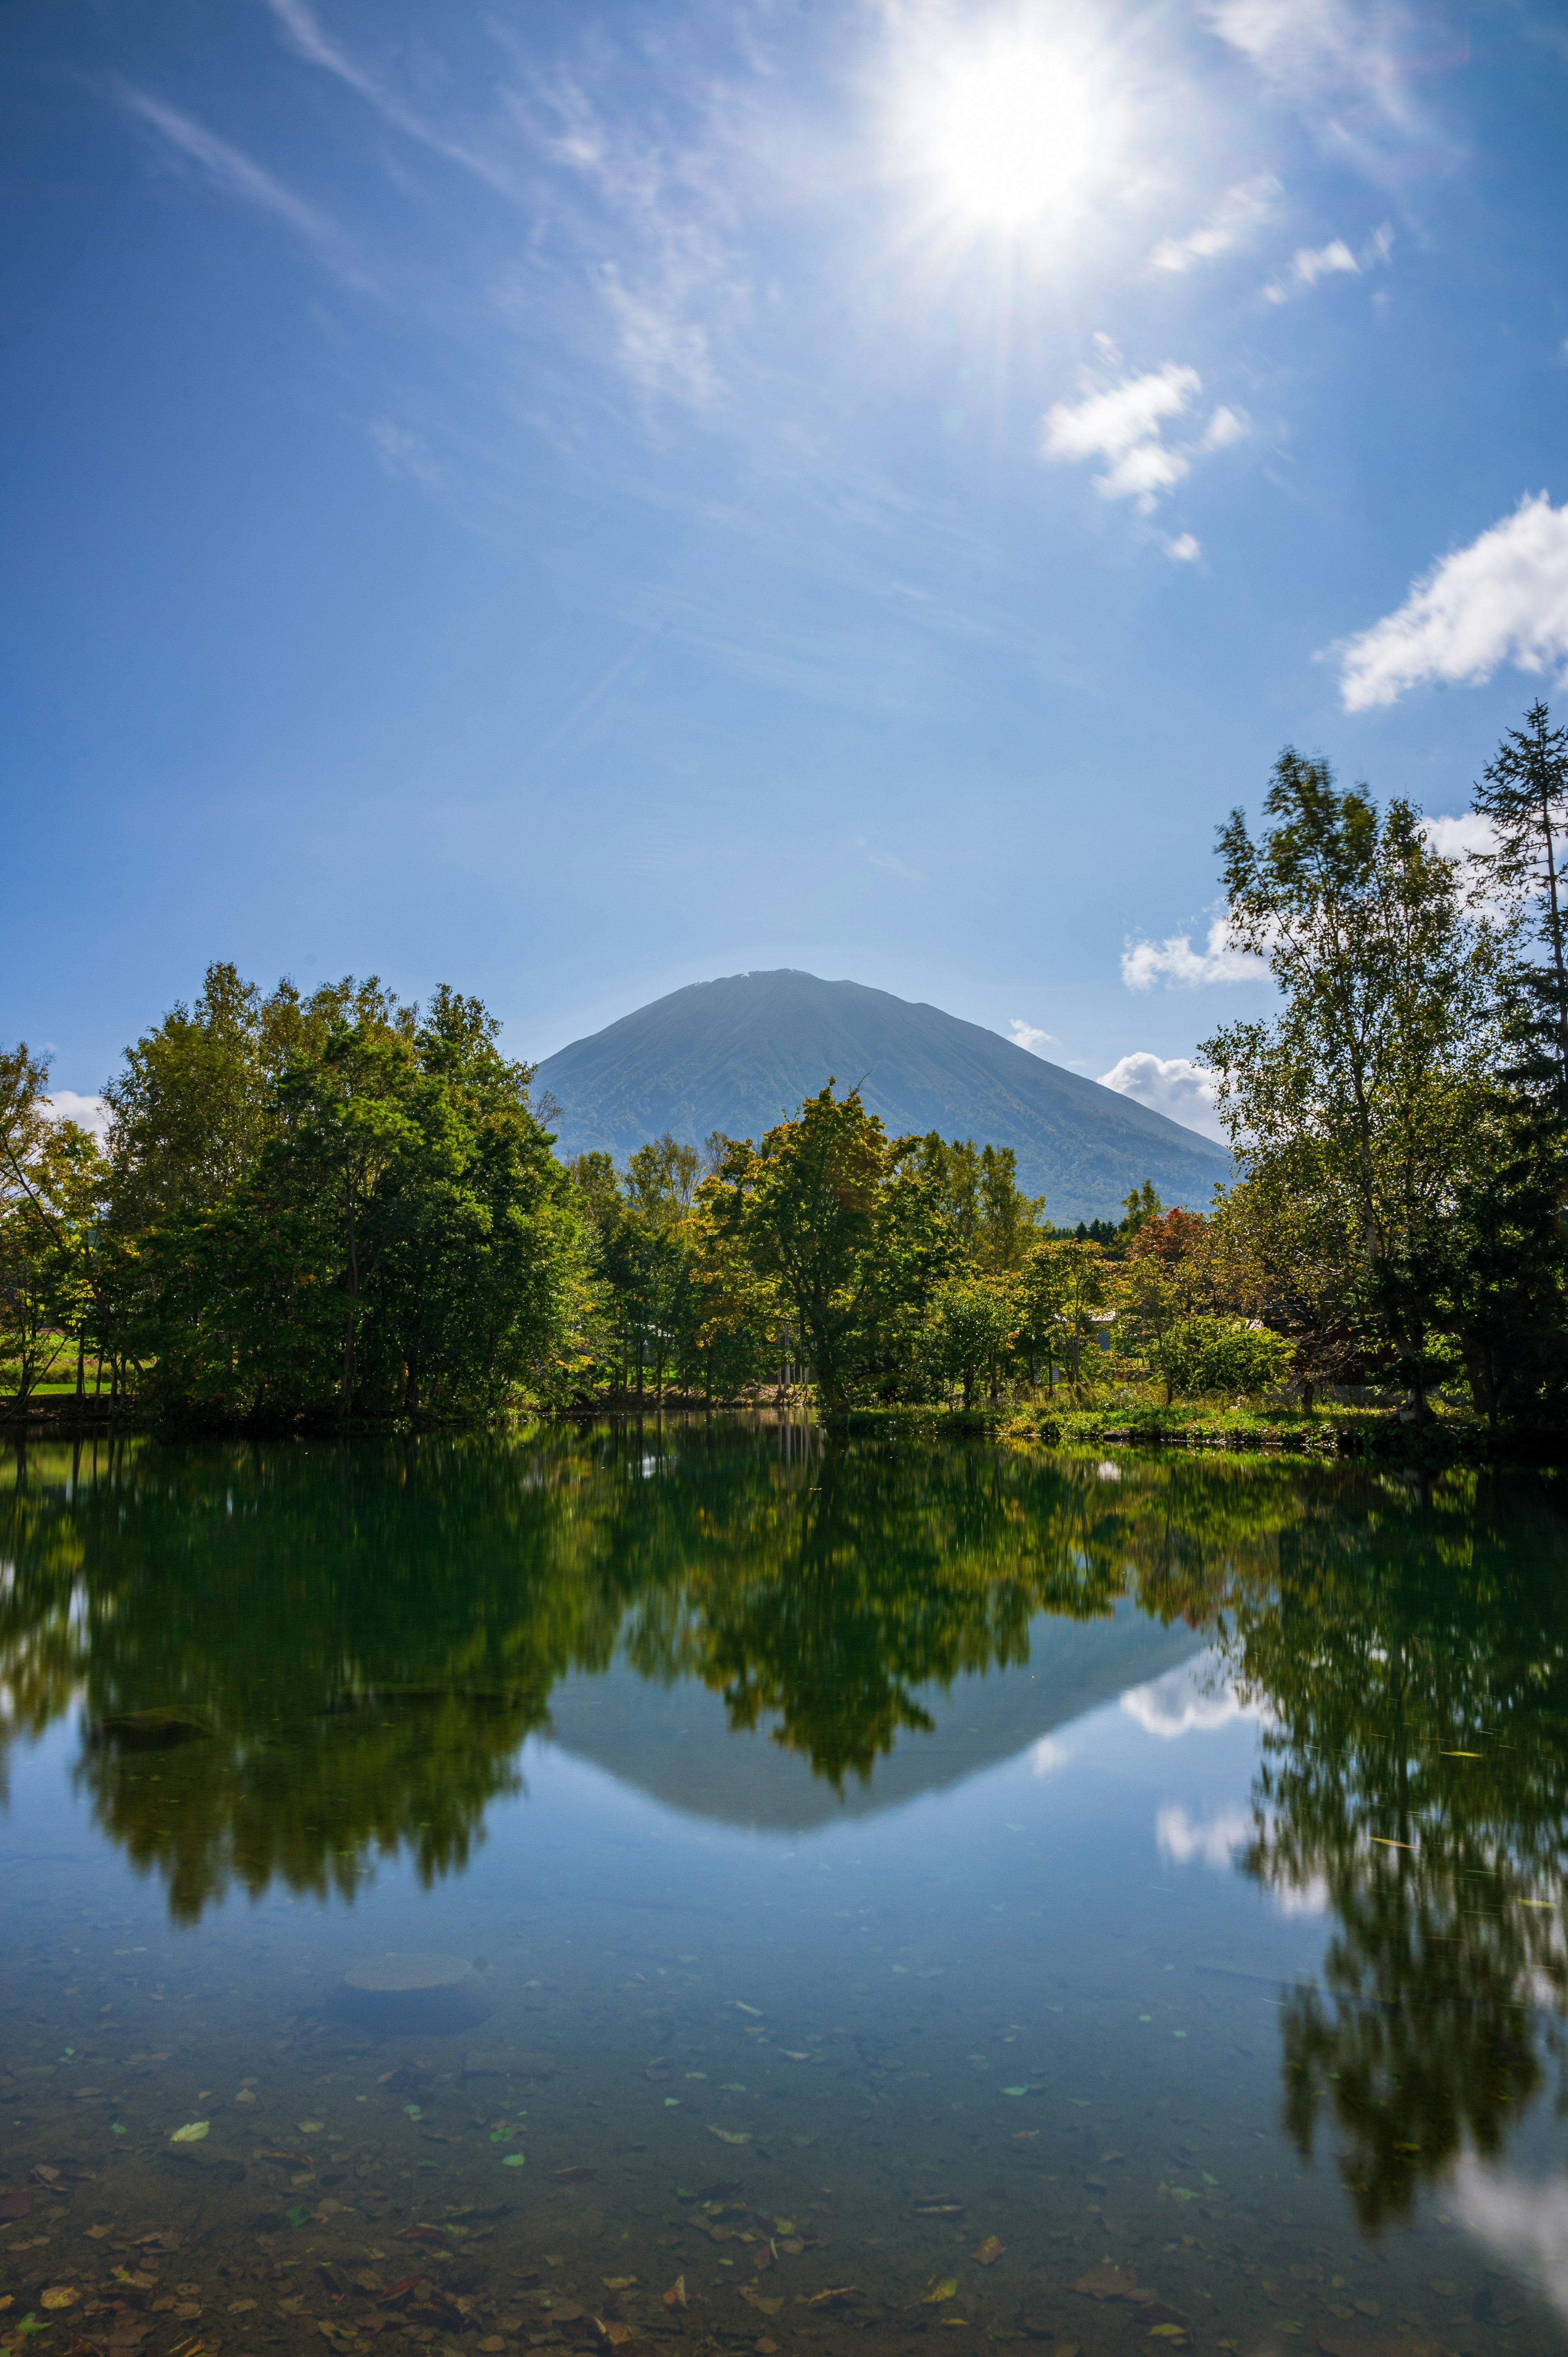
696	1885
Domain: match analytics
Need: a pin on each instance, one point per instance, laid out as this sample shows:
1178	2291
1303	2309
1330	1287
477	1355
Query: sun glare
1011	130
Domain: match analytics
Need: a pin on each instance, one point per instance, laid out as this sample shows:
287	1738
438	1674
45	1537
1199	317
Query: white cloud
234	173
1521	2221
1048	1755
88	1112
1226	426
1241	212
1195	1699
1502	599
1030	1036
1172	1085
1461	837
1183	549
1335	259
1311	264
1213	1840
1124	424
1143	962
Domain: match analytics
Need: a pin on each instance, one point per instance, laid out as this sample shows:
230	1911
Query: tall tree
1366	1095
1511	1293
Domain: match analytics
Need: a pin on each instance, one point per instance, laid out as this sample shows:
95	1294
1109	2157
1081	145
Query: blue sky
574	500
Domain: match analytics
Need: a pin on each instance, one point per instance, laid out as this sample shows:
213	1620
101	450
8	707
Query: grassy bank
1449	1437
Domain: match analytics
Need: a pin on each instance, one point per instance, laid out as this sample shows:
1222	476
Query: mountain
736	1054
675	1743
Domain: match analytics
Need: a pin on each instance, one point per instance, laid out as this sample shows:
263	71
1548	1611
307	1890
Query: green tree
50	1182
978	1190
395	1237
1365	1097
1510	1295
829	1210
1142	1205
1065	1292
971	1323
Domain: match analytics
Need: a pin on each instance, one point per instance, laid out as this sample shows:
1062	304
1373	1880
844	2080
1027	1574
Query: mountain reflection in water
348	1647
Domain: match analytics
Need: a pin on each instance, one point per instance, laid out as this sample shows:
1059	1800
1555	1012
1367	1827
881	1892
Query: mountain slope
736	1054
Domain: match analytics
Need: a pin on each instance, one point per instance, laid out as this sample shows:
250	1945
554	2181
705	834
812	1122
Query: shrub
1219	1354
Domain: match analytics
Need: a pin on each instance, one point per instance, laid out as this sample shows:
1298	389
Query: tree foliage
314	1208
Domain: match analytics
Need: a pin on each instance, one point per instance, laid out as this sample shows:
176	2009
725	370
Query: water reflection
1412	1664
365	1639
359	1643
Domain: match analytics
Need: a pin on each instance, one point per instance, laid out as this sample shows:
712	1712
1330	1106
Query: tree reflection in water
1414	1667
369	1635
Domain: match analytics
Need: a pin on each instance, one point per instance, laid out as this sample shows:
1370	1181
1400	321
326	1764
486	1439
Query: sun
1011	130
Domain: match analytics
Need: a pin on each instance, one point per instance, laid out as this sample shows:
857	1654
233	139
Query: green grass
1134	1419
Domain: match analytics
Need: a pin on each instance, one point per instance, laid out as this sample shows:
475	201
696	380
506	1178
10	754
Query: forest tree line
333	1205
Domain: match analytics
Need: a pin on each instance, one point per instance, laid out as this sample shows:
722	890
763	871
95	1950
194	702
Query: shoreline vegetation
335	1212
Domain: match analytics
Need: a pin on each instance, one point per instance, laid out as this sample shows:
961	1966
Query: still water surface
855	1899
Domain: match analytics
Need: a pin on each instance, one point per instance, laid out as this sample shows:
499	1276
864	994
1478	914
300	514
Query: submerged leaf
192	2132
945	2290
990	2251
1111	2282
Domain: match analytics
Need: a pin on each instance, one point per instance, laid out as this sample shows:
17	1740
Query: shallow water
955	1897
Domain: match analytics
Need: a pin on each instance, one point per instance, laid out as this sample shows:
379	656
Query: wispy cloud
1172	1085
1145	962
1030	1036
1347	67
403	453
1234	221
1298	44
1185	549
1310	265
237	175
676	277
889	862
662	349
1503	598
1124	424
304	34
